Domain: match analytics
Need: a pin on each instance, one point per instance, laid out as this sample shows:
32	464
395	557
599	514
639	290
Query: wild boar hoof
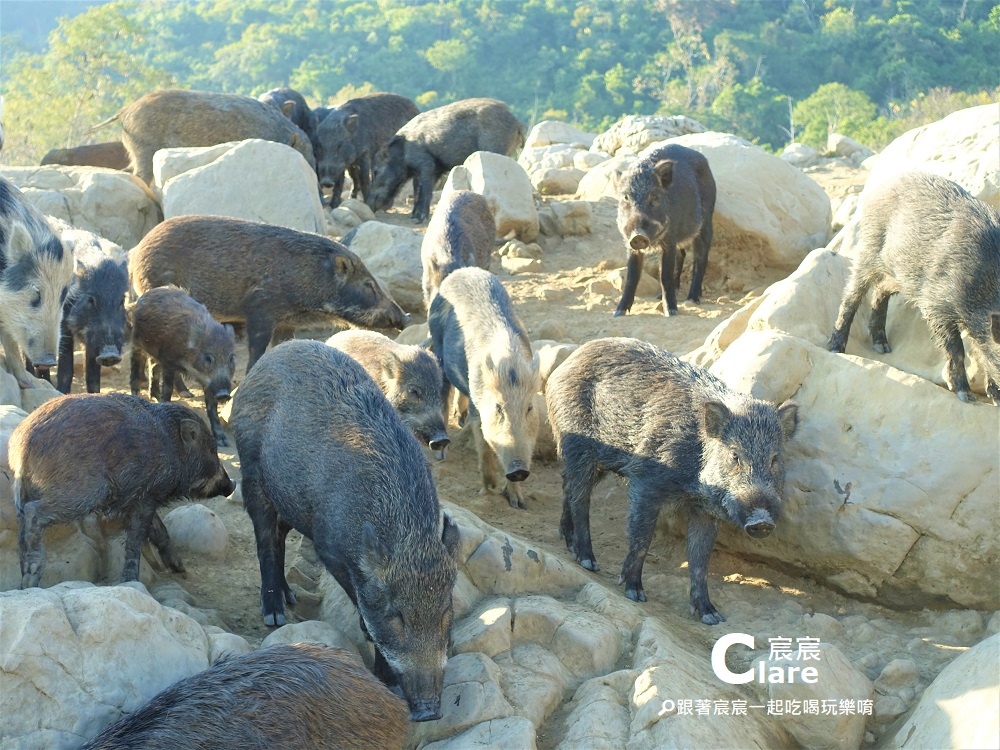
966	396
882	347
589	563
274	619
993	391
636	595
708	615
671	312
618	313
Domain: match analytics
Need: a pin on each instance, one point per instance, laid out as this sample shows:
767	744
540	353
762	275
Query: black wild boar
180	336
272	278
324	452
462	232
409	376
169	118
114	454
300	697
94	311
350	136
927	238
292	105
35	275
485	353
667	201
680	437
433	142
110	155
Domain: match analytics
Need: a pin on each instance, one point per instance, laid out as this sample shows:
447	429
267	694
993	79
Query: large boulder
552	169
107	202
763	204
506	187
840	145
77	658
961	147
29	399
891	487
782	211
800	155
218	181
564	181
958	709
805	305
392	254
837	680
602	180
881	500
549	132
517	656
633	133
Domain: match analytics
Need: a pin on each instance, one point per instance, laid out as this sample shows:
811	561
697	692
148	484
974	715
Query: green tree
449	56
89	72
754	111
721	61
832	108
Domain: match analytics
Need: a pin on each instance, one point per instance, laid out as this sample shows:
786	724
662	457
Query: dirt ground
569	300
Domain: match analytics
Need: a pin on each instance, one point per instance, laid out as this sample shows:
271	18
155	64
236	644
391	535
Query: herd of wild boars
380	140
331	436
276	279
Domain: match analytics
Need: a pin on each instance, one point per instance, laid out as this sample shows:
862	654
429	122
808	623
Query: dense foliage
763	69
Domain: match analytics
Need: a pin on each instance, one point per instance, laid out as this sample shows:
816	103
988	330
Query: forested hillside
760	68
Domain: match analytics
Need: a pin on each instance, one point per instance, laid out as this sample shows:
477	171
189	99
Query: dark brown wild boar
173	117
299	697
110	155
181	336
271	278
114	454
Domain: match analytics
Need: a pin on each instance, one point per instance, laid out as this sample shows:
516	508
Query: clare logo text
784	665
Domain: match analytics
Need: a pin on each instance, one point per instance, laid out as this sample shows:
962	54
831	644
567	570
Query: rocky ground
570	299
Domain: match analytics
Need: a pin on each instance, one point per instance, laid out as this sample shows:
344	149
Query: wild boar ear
717	417
341	265
351	123
788	416
288	108
995	327
373	553
392	366
451	537
190	433
20	245
664	171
